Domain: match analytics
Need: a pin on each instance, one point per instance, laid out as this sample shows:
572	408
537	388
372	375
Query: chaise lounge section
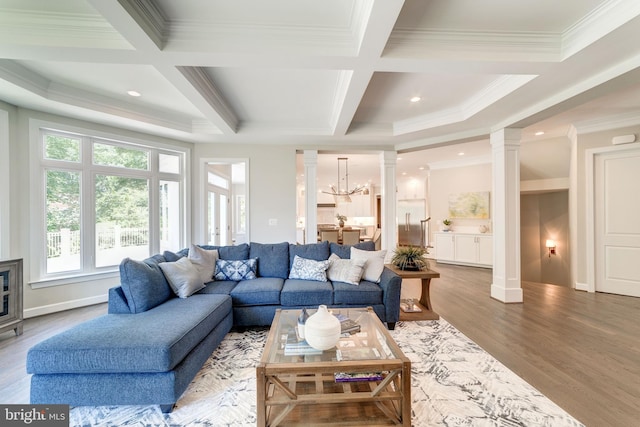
156	337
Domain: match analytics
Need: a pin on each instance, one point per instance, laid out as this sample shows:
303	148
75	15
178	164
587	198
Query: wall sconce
551	246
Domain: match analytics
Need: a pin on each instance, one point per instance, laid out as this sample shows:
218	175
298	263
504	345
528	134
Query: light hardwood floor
581	350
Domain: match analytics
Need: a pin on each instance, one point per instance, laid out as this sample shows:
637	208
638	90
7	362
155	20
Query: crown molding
204	85
149	18
503	45
55	28
631	118
602	20
204	126
499	88
23	77
91	101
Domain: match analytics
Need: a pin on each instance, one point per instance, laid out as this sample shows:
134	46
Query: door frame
591	155
200	220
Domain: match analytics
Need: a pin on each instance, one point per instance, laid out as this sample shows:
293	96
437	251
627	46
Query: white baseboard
582	287
62	306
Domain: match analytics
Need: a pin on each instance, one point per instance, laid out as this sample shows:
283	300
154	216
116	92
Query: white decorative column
505	148
310	196
388	161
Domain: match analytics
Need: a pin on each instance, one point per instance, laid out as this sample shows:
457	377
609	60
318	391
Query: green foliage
63	200
118	200
122	201
446	222
410	258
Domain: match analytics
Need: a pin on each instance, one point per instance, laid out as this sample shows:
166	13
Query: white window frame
5	187
39	165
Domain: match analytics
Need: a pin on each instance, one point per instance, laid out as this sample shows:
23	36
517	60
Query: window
104	200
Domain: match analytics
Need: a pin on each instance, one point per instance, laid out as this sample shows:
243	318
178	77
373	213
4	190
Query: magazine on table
347	325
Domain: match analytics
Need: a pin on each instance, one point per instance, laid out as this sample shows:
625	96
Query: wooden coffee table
303	390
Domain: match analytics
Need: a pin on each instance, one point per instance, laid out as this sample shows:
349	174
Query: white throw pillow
374	263
345	270
309	269
204	260
183	277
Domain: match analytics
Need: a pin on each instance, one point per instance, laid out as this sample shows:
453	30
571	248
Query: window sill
68	280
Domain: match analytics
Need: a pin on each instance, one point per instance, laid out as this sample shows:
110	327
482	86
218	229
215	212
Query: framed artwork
472	205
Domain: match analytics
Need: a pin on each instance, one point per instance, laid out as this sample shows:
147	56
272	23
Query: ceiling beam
376	28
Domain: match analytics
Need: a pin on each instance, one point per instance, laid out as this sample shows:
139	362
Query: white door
218	210
617	224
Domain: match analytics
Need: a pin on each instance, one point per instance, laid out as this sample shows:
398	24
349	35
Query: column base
506	295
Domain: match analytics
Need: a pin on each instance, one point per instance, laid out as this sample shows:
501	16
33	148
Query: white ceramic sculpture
322	329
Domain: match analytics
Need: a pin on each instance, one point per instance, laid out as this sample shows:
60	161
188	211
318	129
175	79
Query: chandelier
342	192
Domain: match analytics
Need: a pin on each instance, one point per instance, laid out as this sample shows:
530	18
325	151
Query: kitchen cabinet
444	246
465	249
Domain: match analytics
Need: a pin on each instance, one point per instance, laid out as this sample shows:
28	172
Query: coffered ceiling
324	74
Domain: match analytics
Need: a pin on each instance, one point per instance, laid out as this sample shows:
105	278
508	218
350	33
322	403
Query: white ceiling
328	75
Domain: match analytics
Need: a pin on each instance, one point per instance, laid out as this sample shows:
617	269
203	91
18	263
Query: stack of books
347	325
297	347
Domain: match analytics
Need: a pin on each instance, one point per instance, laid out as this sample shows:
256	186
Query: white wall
444	182
272	188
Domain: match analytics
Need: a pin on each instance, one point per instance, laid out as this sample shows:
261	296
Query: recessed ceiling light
461	153
540	132
421	168
415	99
134	93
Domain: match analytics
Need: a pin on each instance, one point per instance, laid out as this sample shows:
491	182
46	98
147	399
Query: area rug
454	383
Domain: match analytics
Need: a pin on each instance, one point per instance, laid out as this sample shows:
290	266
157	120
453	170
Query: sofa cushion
204	260
366	293
143	283
230	252
375	263
222	287
183	277
309	269
236	270
344	251
273	259
260	291
345	270
315	251
296	293
153	341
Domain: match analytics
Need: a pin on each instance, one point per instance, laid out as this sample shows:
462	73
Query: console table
424	303
11	296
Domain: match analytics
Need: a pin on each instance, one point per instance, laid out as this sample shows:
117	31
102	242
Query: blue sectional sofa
152	343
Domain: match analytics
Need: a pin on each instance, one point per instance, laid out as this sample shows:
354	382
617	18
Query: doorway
225	202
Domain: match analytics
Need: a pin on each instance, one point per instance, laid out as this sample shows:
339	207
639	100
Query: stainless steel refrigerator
410	231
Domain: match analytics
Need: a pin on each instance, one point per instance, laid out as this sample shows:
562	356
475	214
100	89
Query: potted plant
410	258
446	224
341	219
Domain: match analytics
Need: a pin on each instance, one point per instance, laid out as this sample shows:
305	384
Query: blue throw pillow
315	251
273	259
344	251
236	270
309	269
239	252
143	283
